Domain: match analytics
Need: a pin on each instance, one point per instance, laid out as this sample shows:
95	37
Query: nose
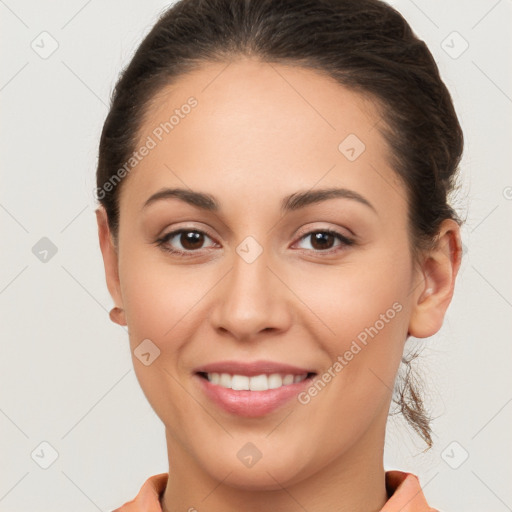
251	298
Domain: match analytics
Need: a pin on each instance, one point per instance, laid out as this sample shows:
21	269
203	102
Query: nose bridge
251	298
250	274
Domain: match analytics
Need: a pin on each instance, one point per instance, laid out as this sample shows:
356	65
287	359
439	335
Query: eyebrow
289	203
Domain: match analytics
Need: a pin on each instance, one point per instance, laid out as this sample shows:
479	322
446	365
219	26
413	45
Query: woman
273	180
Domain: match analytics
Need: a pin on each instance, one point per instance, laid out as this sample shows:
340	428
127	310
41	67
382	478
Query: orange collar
403	489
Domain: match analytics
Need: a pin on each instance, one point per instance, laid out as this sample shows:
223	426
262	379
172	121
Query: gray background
66	375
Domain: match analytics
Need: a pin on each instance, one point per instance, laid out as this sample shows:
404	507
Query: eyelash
162	242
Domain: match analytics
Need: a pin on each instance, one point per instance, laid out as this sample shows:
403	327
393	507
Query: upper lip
251	368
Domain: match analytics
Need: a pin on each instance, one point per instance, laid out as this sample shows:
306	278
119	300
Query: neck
353	482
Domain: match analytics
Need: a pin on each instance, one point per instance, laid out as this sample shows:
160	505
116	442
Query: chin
258	480
269	473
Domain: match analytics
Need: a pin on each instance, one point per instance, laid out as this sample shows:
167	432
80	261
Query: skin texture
261	132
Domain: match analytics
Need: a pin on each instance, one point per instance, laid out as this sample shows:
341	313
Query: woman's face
260	279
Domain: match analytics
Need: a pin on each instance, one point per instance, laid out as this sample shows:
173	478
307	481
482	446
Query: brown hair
365	45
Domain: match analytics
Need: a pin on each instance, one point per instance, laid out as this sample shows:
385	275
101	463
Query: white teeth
240	382
288	379
275	381
258	383
261	382
225	380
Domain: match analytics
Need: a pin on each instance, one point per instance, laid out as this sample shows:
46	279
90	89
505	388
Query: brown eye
323	240
191	240
188	241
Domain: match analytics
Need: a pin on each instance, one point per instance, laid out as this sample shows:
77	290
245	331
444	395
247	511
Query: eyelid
337	230
178	229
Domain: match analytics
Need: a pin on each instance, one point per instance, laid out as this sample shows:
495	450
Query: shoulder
148	498
405	493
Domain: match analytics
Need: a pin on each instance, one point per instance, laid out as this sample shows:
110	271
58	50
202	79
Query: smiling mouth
262	382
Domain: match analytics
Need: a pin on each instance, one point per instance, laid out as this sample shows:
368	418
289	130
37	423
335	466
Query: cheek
355	389
357	300
158	297
159	301
364	319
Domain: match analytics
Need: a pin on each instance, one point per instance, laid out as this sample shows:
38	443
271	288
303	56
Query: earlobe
433	291
110	262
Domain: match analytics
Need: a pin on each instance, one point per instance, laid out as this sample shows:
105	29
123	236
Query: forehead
264	128
275	98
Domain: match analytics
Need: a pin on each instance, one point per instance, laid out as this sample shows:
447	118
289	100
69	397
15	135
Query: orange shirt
404	491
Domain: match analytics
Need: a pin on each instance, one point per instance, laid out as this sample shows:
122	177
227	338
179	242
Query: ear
433	291
110	261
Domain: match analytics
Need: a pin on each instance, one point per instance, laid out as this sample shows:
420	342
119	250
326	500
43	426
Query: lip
251	404
251	368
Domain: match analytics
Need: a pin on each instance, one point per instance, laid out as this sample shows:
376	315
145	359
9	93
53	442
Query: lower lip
251	404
